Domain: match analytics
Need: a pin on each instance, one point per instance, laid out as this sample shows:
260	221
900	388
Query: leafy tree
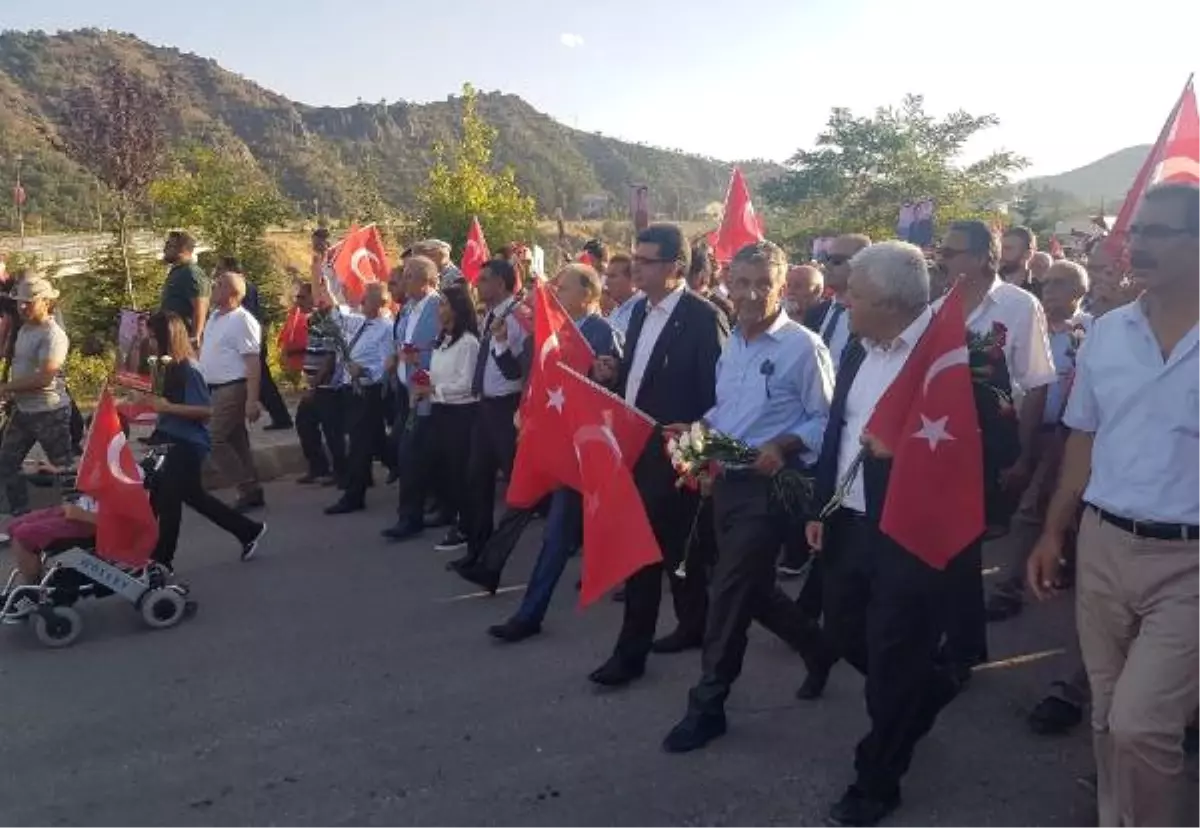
227	199
863	169
116	129
463	184
92	300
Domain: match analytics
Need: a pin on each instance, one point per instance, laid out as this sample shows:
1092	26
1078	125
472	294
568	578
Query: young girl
183	410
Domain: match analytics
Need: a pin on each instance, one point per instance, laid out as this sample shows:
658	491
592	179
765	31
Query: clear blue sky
727	79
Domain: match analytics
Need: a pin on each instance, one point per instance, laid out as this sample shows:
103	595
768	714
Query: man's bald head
231	288
1039	264
805	284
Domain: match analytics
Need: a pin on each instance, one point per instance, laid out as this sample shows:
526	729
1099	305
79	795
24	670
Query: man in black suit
883	605
669	371
828	318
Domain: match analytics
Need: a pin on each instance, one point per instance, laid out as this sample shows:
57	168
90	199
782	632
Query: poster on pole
133	350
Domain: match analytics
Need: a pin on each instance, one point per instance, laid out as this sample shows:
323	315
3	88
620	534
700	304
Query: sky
1069	81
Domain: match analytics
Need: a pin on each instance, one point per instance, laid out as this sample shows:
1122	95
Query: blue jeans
562	536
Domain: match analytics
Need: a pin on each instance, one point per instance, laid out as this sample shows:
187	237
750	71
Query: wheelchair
73	571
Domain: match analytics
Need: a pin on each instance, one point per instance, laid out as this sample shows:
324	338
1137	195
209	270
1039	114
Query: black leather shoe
250	502
814	684
343	507
616	673
694	732
1002	606
465	562
856	807
514	630
479	576
401	532
677	642
1053	716
392	477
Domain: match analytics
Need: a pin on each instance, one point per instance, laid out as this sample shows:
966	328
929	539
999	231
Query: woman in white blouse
451	371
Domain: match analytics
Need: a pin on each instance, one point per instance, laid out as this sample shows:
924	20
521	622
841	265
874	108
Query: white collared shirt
655	322
1027	344
229	337
451	369
836	333
372	347
879	369
1145	414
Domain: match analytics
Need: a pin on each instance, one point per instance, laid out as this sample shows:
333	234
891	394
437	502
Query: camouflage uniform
51	429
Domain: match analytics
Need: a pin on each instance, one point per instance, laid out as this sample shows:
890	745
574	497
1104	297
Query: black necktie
485	343
831	327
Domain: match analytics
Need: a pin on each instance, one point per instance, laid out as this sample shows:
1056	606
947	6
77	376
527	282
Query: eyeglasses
1159	231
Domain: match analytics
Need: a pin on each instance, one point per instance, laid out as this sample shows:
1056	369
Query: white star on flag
557	399
934	431
592	502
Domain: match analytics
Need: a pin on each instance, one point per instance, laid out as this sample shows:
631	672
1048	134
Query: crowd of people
1088	411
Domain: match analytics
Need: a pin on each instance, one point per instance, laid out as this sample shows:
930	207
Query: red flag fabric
360	260
1175	156
126	529
475	252
293	339
740	226
545	460
928	422
607	435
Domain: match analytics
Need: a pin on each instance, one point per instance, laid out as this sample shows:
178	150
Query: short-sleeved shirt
185	283
229	338
35	346
1026	343
1145	414
185	385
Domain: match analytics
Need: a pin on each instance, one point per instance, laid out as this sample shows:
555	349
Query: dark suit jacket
680	381
874	471
814	316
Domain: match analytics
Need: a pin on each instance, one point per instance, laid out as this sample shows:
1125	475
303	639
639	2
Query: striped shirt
322	343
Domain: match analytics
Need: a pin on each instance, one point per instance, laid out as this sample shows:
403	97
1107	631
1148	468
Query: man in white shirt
231	366
1134	415
369	342
828	318
1011	319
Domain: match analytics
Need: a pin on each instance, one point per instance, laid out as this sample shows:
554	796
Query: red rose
714	469
999	334
420	377
996	352
409	348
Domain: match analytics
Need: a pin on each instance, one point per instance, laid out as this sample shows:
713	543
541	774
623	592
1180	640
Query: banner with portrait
133	350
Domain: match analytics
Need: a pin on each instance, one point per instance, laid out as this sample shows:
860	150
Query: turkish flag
545	460
126	529
475	252
607	435
928	422
360	260
739	226
1175	156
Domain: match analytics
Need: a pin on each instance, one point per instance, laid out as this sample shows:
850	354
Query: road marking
484	593
1017	661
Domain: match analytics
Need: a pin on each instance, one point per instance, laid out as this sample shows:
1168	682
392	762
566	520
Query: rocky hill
317	154
1106	180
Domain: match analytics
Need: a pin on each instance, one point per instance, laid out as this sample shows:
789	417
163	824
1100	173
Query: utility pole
19	200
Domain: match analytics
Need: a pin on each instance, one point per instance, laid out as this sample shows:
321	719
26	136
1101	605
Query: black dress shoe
694	732
616	673
465	562
250	502
814	683
1002	606
401	531
514	630
392	477
1053	716
857	807
677	642
343	507
479	576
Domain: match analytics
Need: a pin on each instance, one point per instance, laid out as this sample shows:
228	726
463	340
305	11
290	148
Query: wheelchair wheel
162	608
56	627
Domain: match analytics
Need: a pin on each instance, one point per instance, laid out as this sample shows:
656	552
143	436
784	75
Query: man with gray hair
883	606
438	252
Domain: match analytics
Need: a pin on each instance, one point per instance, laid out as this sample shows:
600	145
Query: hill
1107	179
318	155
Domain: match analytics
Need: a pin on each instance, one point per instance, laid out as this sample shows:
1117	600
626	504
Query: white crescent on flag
356	259
113	456
599	434
548	347
949	359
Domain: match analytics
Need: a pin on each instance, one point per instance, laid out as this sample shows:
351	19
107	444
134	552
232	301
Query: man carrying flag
893	524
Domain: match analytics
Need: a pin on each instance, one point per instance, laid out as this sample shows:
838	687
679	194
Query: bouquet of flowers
700	455
158	372
418	379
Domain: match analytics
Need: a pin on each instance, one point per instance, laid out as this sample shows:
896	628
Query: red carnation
420	377
409	348
999	334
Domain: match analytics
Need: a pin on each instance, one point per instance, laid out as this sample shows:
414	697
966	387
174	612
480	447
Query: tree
863	169
117	131
230	202
463	184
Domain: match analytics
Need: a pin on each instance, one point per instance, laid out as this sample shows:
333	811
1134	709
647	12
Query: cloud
571	41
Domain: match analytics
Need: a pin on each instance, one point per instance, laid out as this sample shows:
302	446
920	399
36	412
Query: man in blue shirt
774	386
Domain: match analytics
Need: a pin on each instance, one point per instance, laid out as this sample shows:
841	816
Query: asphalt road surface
336	680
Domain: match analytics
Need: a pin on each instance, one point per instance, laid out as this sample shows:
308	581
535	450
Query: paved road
336	680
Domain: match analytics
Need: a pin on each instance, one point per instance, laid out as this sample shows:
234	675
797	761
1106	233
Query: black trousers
418	452
493	448
331	425
268	392
364	425
884	615
308	429
452	426
743	589
179	481
965	643
671	513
